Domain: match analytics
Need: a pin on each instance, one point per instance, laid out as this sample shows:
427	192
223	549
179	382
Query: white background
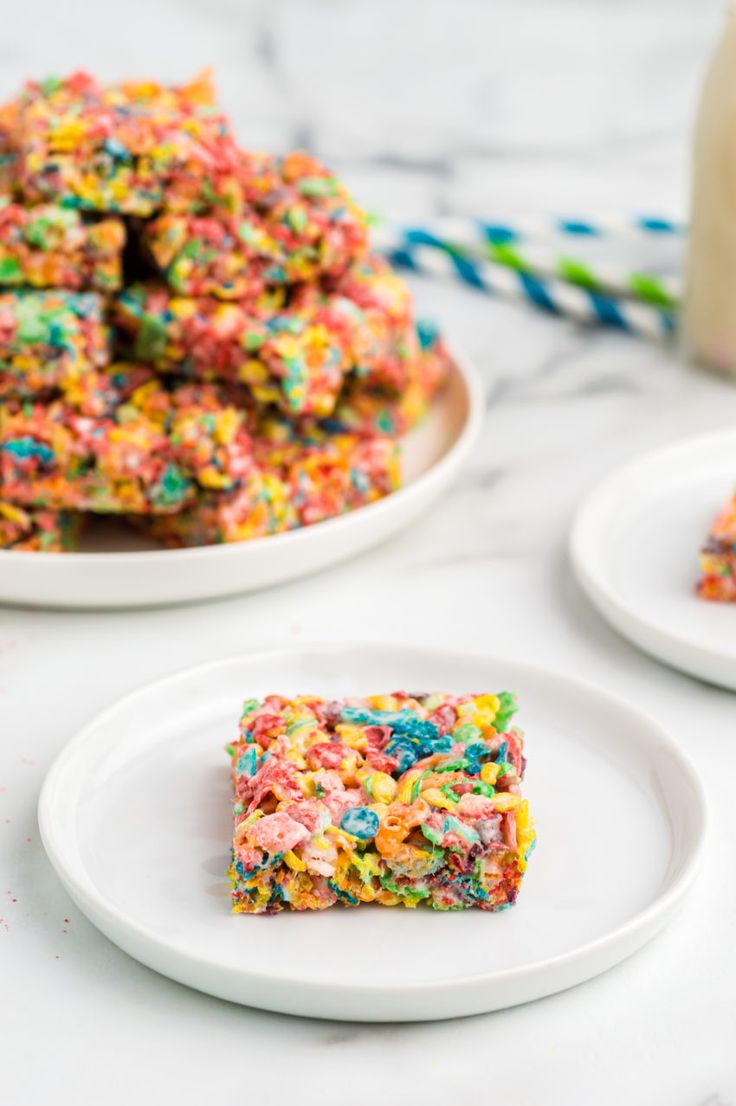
425	107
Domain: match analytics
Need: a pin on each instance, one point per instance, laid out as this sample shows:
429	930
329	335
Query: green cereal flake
447	791
10	270
50	84
506	710
433	835
173	485
193	248
253	341
299	724
34	323
150	341
247	232
453	766
467	733
37	229
317	187
297	219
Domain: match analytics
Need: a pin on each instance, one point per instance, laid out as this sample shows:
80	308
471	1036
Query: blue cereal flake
412	739
401	721
359	480
28	447
116	149
277	895
409	750
405	751
361	822
247	762
468	887
427	332
344	895
454	825
247	874
475	754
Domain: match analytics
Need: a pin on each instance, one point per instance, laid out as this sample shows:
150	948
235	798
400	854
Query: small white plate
118	569
635	544
135	817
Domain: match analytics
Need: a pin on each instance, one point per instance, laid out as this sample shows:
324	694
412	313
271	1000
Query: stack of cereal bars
192	336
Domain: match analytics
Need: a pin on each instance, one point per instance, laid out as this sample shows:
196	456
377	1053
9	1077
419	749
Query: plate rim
471	379
661	908
616	610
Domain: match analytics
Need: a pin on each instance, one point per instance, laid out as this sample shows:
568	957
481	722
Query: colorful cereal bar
281	355
37	531
326	473
147	454
257	508
208	255
394	799
295	355
310	217
132	148
298	480
297	223
51	456
49	339
718	557
209	436
101	391
368	408
374	307
50	246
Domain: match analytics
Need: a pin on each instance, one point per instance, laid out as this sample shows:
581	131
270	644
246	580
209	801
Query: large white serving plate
634	547
135	817
118	569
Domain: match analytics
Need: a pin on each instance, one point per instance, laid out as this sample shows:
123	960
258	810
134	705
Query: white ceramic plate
135	817
118	569
635	544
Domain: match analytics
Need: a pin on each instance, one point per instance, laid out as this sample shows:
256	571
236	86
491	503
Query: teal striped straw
552	294
532	247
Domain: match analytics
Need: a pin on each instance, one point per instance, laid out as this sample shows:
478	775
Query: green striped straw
538	248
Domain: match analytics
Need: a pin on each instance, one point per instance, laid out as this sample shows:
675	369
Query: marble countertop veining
495	106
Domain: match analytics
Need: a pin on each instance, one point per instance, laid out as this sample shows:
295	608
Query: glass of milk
709	310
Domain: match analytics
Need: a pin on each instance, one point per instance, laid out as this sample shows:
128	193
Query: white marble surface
500	107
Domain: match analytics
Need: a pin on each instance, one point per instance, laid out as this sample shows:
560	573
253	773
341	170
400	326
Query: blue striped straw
551	294
472	231
580	228
546	254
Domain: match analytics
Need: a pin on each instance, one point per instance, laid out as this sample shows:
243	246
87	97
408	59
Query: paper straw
551	294
510	247
472	230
